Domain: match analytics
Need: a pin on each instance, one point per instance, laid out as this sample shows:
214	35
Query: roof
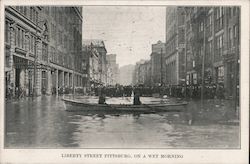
94	42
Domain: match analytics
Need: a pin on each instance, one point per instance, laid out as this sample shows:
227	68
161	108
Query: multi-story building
148	75
174	59
126	74
231	50
97	47
202	44
215	34
137	74
43	48
92	65
113	69
157	63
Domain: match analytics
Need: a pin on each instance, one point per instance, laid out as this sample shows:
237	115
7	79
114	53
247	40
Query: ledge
20	51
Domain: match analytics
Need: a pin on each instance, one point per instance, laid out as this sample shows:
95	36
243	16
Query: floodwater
44	123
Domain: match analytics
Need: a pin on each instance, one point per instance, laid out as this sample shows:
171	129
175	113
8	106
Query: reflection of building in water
43	48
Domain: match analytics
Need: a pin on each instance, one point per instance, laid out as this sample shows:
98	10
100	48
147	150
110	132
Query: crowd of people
179	91
10	90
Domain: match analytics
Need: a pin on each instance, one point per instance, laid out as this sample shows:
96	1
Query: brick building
113	70
97	47
215	34
43	48
157	63
175	57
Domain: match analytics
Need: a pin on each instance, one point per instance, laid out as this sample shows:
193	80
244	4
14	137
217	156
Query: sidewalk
214	111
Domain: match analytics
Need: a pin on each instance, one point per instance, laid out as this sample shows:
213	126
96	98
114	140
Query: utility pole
185	33
161	68
237	46
203	65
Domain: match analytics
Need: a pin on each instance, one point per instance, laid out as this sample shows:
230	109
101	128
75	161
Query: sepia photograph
84	77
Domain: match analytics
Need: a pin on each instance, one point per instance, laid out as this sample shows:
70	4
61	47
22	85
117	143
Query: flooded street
44	123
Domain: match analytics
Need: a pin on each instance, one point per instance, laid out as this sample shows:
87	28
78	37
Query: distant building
113	70
99	46
157	63
174	59
140	72
92	65
126	75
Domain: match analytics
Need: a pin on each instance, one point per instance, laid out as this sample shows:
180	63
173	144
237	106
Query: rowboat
80	106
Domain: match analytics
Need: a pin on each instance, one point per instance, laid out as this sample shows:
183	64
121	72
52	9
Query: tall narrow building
174	59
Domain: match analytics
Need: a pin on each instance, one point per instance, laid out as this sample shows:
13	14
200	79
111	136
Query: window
234	11
219	13
25	11
209	26
235	33
7	57
220	74
44	81
229	38
32	44
230	12
33	15
22	10
44	51
7	32
20	39
209	51
219	46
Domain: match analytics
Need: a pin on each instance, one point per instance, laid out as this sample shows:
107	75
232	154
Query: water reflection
45	123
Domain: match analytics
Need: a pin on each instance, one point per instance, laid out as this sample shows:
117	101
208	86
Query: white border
190	155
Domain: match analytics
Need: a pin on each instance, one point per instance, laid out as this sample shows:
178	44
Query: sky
127	31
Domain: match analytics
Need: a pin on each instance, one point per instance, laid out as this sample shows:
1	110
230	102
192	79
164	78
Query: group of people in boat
135	93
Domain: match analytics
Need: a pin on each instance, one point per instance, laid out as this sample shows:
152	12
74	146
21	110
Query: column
49	82
11	60
56	73
62	74
26	82
38	80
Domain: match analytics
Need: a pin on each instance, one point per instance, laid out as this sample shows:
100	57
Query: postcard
124	81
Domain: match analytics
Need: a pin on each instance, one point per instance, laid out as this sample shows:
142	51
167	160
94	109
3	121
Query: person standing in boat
137	98
102	99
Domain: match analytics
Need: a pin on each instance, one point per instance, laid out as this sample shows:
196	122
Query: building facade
97	61
43	49
142	73
113	70
126	75
215	36
174	59
203	46
157	63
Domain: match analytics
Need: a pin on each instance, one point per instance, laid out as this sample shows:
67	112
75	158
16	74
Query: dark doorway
17	81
